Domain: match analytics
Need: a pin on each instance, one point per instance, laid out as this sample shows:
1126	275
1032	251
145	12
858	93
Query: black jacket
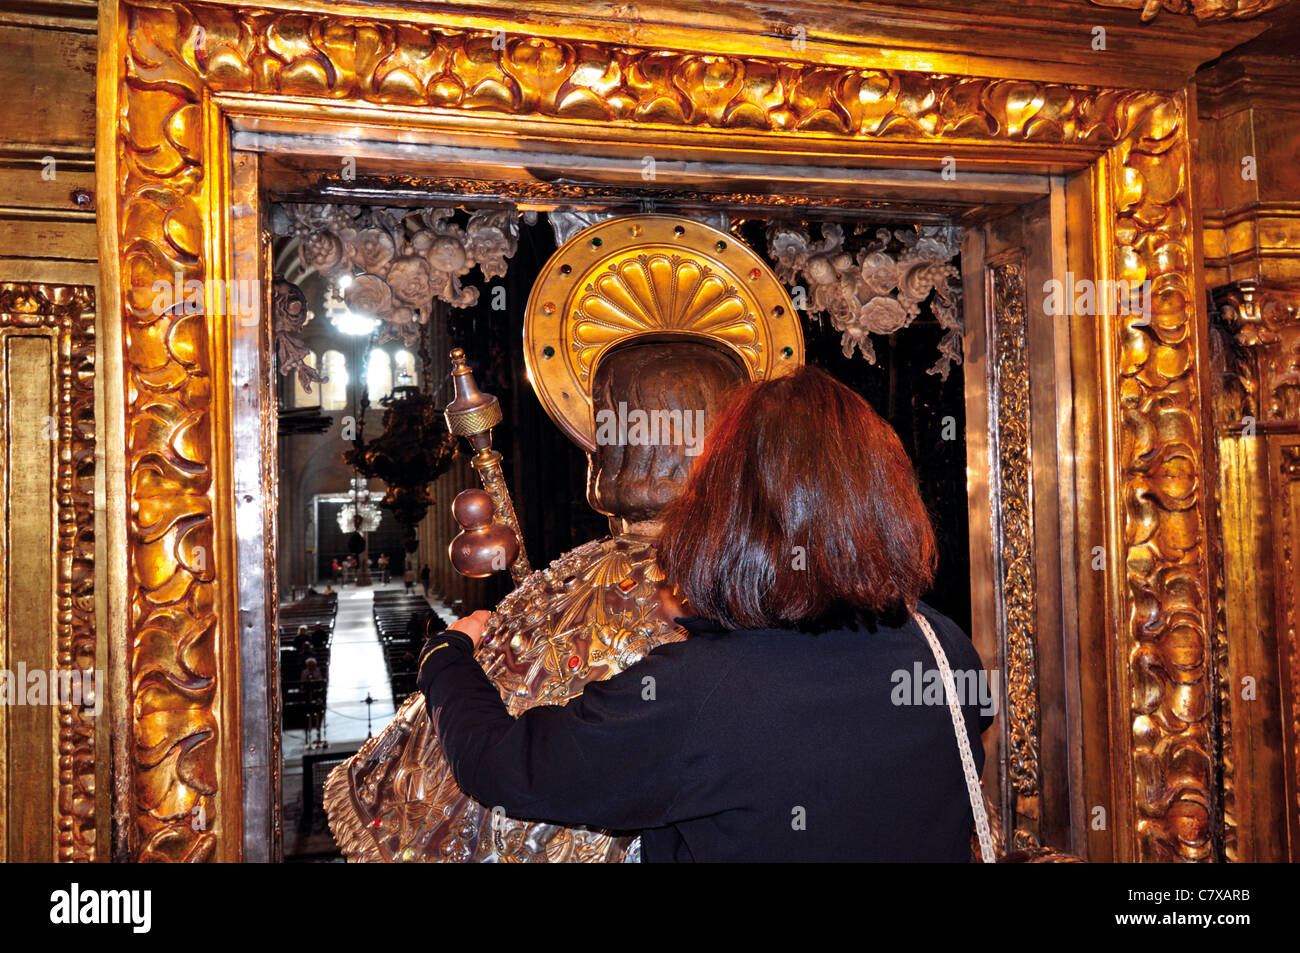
732	746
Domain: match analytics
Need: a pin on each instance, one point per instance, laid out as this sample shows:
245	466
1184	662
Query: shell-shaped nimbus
651	292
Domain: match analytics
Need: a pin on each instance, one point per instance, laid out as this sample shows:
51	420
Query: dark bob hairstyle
802	512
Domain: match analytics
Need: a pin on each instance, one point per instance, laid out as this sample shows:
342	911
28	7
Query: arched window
379	374
334	387
301	398
404	363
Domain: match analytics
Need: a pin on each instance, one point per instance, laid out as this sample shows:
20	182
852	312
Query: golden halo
650	276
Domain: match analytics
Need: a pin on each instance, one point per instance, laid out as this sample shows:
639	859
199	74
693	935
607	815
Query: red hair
803	510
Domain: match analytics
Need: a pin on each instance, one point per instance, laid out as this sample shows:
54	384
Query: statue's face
653	404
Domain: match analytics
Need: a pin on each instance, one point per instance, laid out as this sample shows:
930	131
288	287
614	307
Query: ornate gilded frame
168	104
1016	590
62	318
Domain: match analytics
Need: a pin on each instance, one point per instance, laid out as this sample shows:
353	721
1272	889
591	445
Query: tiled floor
356	670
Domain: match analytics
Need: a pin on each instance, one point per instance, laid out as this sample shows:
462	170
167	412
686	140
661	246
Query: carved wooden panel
60	320
1258	411
1014	512
1287	575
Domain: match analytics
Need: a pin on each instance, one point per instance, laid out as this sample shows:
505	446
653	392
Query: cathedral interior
281	282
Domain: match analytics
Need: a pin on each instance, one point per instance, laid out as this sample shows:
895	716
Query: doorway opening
357	372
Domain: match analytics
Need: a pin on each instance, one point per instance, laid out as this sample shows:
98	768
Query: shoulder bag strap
963	741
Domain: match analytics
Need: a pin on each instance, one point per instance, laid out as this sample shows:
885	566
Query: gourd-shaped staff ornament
472	415
483	546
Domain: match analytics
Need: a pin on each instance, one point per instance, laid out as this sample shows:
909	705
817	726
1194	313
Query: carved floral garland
878	291
289	315
400	260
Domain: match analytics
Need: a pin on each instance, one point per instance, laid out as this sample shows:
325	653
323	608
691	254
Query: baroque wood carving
1289	636
1265	321
1162	492
289	314
170	58
466	192
403	259
1231	401
1202	9
339	58
1015	513
69	310
881	289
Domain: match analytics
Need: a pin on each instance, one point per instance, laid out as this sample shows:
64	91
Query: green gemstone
788	351
550	351
596	243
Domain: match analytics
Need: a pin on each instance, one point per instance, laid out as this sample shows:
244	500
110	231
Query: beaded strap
963	741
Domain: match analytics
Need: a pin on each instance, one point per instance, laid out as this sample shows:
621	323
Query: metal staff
472	415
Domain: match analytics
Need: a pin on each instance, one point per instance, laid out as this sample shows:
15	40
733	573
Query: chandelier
413	451
360	515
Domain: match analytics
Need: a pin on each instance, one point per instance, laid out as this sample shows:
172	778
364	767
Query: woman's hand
472	625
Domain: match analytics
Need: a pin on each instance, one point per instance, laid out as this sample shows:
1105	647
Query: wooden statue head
653	401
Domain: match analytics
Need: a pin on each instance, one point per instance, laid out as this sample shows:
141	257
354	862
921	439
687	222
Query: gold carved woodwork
1251	235
1258	415
1291	463
1161	491
163	151
66	313
649	275
1015	515
1287	575
1201	9
1266	319
1230	402
1249	110
315	55
543	194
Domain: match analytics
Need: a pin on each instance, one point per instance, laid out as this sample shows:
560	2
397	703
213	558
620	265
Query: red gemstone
754	273
574	662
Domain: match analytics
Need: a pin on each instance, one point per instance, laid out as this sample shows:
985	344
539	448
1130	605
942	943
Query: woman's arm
612	758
